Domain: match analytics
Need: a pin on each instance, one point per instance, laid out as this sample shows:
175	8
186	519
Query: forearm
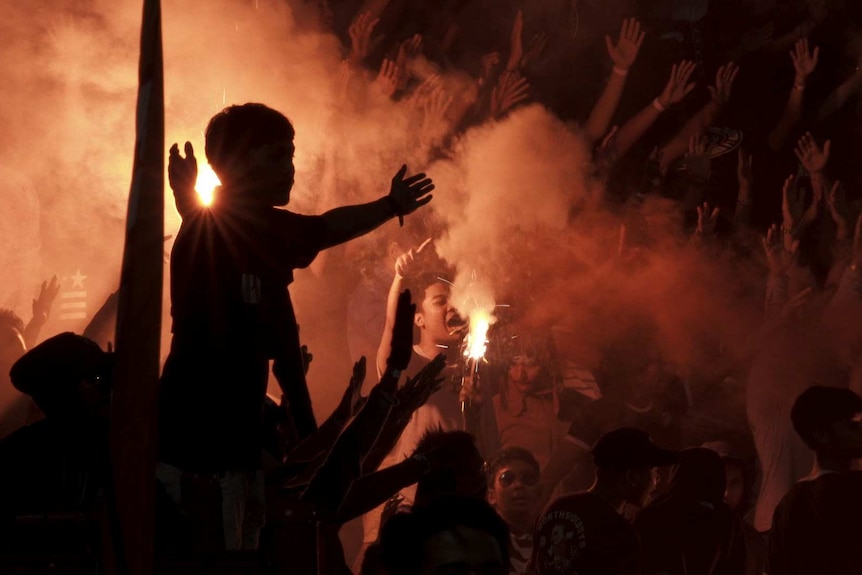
31	331
776	295
742	215
839	97
374	489
385	347
386	440
792	112
633	130
349	222
603	112
698	123
321	440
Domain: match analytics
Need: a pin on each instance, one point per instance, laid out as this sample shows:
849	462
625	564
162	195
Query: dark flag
138	335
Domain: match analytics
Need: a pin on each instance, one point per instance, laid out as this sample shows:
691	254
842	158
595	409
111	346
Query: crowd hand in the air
678	85
45	300
706	220
804	61
409	194
625	51
182	172
724	78
352	401
511	90
697	159
795	218
836	201
778	257
811	155
361	41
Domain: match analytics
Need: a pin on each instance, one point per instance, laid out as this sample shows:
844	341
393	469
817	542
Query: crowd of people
734	124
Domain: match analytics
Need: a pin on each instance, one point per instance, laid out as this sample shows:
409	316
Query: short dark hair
236	130
818	407
403	538
11	319
418	283
505	457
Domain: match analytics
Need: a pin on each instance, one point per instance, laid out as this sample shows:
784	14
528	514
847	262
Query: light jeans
243	506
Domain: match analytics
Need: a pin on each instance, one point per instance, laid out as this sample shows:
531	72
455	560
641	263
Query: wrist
799	83
395	208
618	71
659	105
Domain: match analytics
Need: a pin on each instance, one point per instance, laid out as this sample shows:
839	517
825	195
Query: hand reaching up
352	401
706	220
182	172
510	91
43	303
410	194
678	86
804	61
811	155
724	78
778	258
361	42
625	51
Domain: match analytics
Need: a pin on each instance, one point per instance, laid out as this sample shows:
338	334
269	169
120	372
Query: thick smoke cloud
516	199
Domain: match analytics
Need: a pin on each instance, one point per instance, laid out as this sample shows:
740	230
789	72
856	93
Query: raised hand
387	78
361	42
307	358
697	159
352	401
804	61
408	51
408	195
706	220
516	44
43	303
812	156
182	172
724	78
510	91
678	86
778	258
406	260
625	51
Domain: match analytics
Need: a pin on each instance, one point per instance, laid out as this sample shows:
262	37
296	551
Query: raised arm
403	266
406	195
182	176
677	88
623	53
41	311
804	62
703	119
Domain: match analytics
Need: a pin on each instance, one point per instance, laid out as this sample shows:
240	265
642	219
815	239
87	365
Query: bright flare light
477	339
206	184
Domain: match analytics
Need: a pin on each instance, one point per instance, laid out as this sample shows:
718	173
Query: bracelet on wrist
658	105
799	86
620	72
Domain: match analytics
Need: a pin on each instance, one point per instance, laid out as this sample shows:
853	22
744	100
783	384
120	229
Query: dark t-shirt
816	527
581	534
231	310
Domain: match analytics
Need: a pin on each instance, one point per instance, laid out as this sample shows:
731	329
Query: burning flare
477	338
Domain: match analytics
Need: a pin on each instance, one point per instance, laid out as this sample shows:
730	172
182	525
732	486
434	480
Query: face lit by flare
436	317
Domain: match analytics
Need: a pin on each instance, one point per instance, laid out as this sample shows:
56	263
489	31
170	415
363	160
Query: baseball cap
629	448
818	407
58	364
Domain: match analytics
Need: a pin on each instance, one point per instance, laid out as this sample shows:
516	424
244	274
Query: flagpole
134	403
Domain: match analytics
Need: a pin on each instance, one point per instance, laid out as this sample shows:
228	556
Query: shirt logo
561	540
250	289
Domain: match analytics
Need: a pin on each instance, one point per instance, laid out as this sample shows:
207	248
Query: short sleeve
301	237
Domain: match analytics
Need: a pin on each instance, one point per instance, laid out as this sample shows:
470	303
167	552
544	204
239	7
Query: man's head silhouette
250	148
